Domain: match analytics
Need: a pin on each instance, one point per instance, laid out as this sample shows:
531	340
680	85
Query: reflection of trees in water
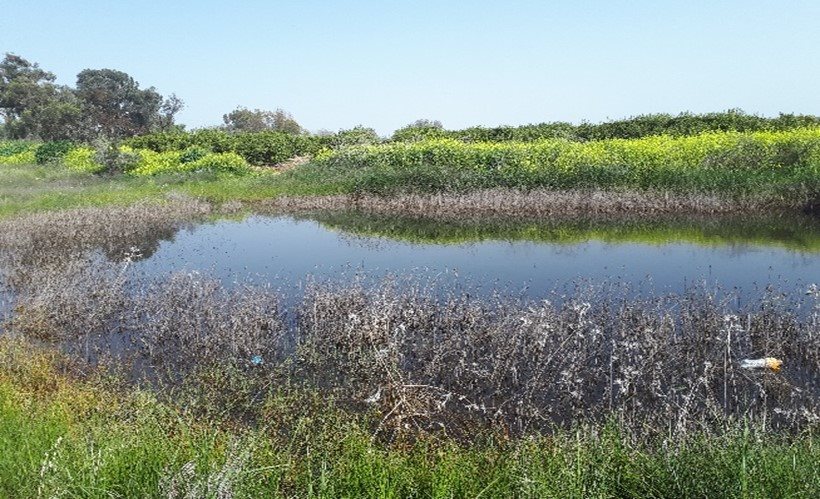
743	233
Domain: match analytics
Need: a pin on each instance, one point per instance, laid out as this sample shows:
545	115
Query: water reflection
535	257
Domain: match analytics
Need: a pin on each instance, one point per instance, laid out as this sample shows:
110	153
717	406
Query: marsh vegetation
390	384
257	310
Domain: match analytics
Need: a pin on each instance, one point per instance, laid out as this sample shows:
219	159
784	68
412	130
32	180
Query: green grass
62	435
31	188
780	168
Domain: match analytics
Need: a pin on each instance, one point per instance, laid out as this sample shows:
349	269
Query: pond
559	361
526	258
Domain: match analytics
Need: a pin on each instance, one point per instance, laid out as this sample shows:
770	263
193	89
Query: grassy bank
772	169
63	434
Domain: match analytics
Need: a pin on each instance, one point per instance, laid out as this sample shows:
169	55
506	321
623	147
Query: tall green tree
115	105
32	105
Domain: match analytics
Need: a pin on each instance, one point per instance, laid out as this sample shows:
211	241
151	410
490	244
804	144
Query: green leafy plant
193	153
18	153
49	152
83	159
257	148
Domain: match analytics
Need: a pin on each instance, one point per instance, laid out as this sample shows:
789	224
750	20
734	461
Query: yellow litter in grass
765	363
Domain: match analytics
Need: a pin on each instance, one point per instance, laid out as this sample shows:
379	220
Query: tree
419	130
32	105
115	105
168	110
356	136
243	119
59	119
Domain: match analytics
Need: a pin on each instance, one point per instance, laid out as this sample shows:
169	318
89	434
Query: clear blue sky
336	64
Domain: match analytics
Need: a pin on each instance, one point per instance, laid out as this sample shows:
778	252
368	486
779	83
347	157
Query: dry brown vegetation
457	364
52	238
532	203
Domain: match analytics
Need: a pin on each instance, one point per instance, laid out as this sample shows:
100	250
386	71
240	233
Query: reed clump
65	432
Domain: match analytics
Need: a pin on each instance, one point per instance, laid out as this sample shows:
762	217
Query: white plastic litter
764	363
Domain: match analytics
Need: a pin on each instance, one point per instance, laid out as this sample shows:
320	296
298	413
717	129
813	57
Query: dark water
530	260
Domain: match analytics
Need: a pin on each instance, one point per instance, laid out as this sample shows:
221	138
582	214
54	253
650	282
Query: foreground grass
62	434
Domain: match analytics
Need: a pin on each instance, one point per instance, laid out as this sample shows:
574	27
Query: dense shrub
257	148
421	130
153	163
193	153
17	153
684	124
714	161
83	159
150	162
14	147
226	162
356	136
49	152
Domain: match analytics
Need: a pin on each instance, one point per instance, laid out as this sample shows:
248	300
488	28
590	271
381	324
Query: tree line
107	103
104	103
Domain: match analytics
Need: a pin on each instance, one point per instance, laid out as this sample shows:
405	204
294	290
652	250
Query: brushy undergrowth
712	172
257	148
149	163
647	125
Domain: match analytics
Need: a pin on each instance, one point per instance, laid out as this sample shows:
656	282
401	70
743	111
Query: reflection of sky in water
283	251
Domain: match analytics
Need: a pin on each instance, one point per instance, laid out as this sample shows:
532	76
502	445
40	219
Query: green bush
684	124
18	153
258	148
49	152
83	159
14	147
224	162
710	162
356	136
193	153
154	163
151	163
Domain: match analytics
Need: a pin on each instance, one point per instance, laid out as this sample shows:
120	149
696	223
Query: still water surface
285	252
